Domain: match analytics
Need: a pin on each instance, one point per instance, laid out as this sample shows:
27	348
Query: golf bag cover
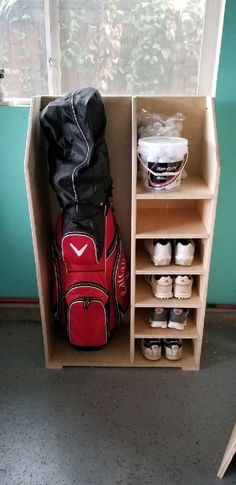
91	277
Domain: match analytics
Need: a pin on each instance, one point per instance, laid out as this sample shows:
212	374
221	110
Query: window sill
16	102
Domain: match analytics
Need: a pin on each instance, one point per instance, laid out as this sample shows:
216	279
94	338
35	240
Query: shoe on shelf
151	348
158	317
161	285
183	286
159	251
178	318
173	348
184	251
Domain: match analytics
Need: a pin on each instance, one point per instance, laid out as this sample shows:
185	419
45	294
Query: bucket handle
164	174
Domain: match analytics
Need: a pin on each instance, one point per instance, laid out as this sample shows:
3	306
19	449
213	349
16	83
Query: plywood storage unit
186	213
190	212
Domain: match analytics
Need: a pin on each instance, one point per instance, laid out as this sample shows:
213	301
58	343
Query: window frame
209	56
210	47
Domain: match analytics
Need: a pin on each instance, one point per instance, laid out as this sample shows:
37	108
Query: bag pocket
87	313
79	251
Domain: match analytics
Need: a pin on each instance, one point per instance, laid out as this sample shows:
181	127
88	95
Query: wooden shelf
142	328
186	363
145	298
145	266
115	354
169	223
193	187
185	213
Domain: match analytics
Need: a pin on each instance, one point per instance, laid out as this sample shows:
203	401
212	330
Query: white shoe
159	250
183	286
161	285
151	348
173	348
184	252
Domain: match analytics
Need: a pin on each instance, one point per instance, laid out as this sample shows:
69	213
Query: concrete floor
114	426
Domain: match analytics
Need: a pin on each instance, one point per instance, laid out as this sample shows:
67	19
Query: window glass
131	46
22	47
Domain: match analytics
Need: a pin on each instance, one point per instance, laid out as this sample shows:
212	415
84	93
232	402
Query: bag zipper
80	165
118	316
59	289
112	245
90	285
86	304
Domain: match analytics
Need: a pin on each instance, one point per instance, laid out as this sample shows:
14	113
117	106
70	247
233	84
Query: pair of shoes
152	348
166	317
167	286
160	251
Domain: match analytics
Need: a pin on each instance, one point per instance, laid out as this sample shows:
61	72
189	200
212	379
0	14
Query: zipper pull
86	303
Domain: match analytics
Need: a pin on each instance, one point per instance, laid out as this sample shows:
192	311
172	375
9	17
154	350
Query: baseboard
31	313
19	313
225	316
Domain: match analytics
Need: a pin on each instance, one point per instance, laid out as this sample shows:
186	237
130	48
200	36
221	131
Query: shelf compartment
193	187
115	354
157	223
186	363
143	329
145	298
145	266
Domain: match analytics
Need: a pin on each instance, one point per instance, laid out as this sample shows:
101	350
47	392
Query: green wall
17	261
222	284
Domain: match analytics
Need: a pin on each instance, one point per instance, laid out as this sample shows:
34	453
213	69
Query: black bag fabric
79	168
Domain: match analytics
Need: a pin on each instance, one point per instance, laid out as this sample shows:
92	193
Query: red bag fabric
91	295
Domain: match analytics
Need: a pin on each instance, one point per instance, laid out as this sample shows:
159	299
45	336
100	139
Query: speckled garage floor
114	426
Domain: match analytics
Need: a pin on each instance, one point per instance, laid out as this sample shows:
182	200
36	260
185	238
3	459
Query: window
118	46
22	47
131	46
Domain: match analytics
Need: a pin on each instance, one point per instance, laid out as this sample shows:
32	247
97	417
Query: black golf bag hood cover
79	169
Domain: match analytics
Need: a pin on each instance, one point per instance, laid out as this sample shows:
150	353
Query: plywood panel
118	138
210	148
172	223
133	227
193	187
40	216
116	353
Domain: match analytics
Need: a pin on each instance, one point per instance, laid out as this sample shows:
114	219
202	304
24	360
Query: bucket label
159	168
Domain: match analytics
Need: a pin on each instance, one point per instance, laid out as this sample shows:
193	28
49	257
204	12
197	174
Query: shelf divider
193	187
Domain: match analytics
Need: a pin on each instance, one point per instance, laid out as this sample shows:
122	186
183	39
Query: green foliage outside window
119	46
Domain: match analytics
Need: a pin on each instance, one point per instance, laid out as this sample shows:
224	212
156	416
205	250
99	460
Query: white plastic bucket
162	161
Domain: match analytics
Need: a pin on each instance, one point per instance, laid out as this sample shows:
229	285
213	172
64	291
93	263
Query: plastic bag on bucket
159	124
